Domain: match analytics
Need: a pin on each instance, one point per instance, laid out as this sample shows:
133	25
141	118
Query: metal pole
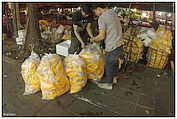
154	7
15	33
18	15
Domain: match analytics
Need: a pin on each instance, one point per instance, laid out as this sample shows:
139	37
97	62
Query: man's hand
93	39
99	37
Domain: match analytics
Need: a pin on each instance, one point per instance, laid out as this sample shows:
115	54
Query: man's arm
100	36
102	30
78	35
89	31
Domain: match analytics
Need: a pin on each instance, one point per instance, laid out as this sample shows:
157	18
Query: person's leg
117	54
109	72
111	60
75	46
109	68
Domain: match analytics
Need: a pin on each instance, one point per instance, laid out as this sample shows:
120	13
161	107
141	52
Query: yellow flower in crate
161	31
157	59
163	43
159	50
134	50
128	31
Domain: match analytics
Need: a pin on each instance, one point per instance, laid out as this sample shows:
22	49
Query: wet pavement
139	92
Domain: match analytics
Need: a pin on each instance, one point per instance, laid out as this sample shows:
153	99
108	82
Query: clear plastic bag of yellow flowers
29	74
52	75
159	49
94	61
76	71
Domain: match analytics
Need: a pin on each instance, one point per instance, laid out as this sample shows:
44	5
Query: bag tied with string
29	74
52	76
94	61
76	71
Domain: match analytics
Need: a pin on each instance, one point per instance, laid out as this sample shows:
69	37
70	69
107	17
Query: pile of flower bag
146	35
56	34
52	76
160	48
94	61
29	74
76	71
134	50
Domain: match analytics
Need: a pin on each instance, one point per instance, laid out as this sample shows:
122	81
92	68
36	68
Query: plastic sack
29	74
76	71
43	25
94	62
96	46
55	36
163	43
46	33
44	22
160	31
159	50
147	35
60	29
52	76
147	42
21	33
67	32
20	40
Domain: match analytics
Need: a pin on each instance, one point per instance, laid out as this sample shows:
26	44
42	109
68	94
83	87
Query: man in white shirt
110	31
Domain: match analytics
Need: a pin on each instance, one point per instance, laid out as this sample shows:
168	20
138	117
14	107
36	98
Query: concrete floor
138	93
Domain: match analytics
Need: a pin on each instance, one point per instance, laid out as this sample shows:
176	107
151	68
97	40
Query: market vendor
155	25
110	31
81	29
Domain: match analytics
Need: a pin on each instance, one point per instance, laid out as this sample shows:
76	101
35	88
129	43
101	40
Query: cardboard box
62	48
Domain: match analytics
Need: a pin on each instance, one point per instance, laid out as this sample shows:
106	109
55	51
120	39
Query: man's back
110	21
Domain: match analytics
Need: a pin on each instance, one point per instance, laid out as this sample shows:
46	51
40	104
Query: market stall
148	33
55	21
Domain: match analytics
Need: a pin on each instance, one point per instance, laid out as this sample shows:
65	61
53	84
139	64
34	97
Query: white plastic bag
52	76
94	62
29	74
76	71
147	35
60	29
